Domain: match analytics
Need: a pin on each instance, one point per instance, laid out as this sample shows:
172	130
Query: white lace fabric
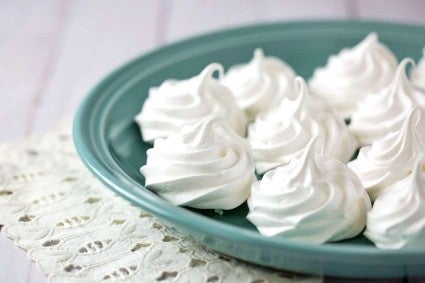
77	230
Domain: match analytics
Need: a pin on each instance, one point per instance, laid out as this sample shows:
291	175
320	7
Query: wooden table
53	51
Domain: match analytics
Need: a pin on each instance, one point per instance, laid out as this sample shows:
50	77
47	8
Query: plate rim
162	209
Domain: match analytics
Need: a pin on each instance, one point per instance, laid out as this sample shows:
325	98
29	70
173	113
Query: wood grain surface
53	51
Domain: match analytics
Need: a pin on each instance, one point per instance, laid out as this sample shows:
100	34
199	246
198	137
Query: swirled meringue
260	84
381	113
280	133
314	198
397	217
418	73
177	103
206	165
350	75
339	143
391	159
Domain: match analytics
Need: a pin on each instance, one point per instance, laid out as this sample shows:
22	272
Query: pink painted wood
29	33
101	35
52	52
210	15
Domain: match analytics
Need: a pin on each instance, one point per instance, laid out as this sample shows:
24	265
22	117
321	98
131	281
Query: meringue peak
383	112
314	199
202	131
353	73
280	133
391	159
175	103
258	56
208	71
401	69
210	130
400	78
407	138
304	167
397	217
370	39
205	165
260	84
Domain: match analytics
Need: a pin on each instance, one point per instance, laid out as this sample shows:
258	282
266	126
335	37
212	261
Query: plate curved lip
165	210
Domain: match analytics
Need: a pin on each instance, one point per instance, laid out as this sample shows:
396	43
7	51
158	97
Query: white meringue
381	113
350	75
177	103
278	134
339	143
313	199
206	165
418	73
391	159
260	84
397	217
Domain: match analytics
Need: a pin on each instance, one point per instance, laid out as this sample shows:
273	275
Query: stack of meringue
300	142
390	171
381	113
280	133
397	218
205	165
315	199
353	73
260	84
177	103
391	159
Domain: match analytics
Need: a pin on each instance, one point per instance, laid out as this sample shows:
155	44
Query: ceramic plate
110	145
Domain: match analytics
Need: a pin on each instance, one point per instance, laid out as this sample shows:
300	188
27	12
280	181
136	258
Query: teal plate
110	145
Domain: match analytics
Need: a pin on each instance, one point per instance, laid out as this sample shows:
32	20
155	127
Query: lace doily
77	230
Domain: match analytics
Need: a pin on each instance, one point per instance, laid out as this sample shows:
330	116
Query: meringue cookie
350	75
418	73
206	165
397	217
177	103
260	84
338	140
381	113
314	198
391	159
278	134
